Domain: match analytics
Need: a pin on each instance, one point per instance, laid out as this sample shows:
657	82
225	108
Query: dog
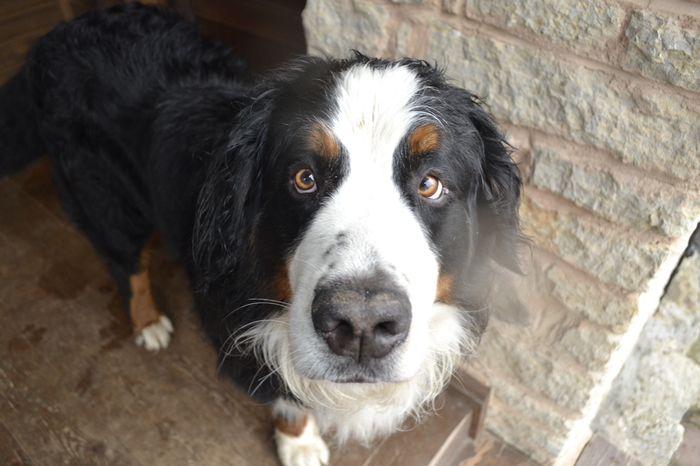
339	220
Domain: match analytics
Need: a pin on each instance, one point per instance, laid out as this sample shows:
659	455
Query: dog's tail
20	141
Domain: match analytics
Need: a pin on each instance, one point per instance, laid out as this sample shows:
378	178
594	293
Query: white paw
156	336
308	449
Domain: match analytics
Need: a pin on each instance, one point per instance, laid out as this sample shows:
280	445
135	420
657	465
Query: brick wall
601	98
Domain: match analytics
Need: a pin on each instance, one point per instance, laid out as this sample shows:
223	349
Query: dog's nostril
386	335
344	329
387	328
327	323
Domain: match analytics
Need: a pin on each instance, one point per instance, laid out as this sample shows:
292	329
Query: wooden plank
66	9
164	408
14	53
427	443
478	396
134	402
261	19
13	50
489	451
51	438
28	22
9	8
600	452
453	445
40	365
261	52
11	452
36	182
6	74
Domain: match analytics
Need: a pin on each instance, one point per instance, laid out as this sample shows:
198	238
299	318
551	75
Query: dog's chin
361	379
346	371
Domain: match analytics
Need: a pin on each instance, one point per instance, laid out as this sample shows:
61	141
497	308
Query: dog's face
365	274
381	194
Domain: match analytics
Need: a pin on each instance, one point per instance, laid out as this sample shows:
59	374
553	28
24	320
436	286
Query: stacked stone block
601	98
660	381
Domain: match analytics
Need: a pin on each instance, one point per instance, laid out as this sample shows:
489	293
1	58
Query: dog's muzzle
362	323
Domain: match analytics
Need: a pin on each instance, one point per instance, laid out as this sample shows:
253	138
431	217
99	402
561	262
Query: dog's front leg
299	441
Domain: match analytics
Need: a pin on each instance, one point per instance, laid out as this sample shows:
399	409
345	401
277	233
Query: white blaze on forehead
374	113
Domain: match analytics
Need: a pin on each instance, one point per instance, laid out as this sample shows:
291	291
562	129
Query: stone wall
602	99
660	382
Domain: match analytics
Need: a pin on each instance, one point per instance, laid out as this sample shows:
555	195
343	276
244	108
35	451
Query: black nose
361	324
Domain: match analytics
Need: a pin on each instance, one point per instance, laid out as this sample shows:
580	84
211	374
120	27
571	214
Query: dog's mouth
357	379
357	376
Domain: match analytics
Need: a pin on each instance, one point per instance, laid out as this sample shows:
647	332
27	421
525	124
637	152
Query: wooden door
264	32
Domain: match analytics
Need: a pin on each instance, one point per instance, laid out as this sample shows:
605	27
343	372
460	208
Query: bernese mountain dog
338	219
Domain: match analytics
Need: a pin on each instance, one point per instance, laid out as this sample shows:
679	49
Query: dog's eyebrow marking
424	139
322	141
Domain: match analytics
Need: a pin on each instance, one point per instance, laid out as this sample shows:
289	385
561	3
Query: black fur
149	125
19	133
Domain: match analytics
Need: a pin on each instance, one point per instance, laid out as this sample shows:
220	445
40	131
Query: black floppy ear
499	191
231	194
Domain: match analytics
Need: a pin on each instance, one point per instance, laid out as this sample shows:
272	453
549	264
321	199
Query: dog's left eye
304	181
430	187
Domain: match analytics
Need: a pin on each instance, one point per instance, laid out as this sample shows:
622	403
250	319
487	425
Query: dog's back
128	102
19	134
101	78
103	95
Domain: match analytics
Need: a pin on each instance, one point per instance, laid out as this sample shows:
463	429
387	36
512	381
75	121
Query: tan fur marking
425	139
283	289
292	428
322	142
142	307
444	289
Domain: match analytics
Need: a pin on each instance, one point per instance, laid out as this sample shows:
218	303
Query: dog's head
368	198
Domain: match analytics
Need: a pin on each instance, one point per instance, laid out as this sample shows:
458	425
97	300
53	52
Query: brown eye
430	187
304	181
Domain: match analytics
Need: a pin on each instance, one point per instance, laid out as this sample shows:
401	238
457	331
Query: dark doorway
264	32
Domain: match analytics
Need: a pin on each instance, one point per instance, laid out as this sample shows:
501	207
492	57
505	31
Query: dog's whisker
270	301
258	302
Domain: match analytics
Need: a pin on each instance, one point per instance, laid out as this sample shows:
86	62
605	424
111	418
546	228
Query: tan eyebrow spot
322	141
424	139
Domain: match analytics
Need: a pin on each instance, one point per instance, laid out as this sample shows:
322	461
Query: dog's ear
499	193
231	194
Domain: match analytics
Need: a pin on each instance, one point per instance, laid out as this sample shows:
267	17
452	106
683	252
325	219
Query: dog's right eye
304	181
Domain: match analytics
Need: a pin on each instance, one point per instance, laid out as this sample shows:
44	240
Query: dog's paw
156	335
307	449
